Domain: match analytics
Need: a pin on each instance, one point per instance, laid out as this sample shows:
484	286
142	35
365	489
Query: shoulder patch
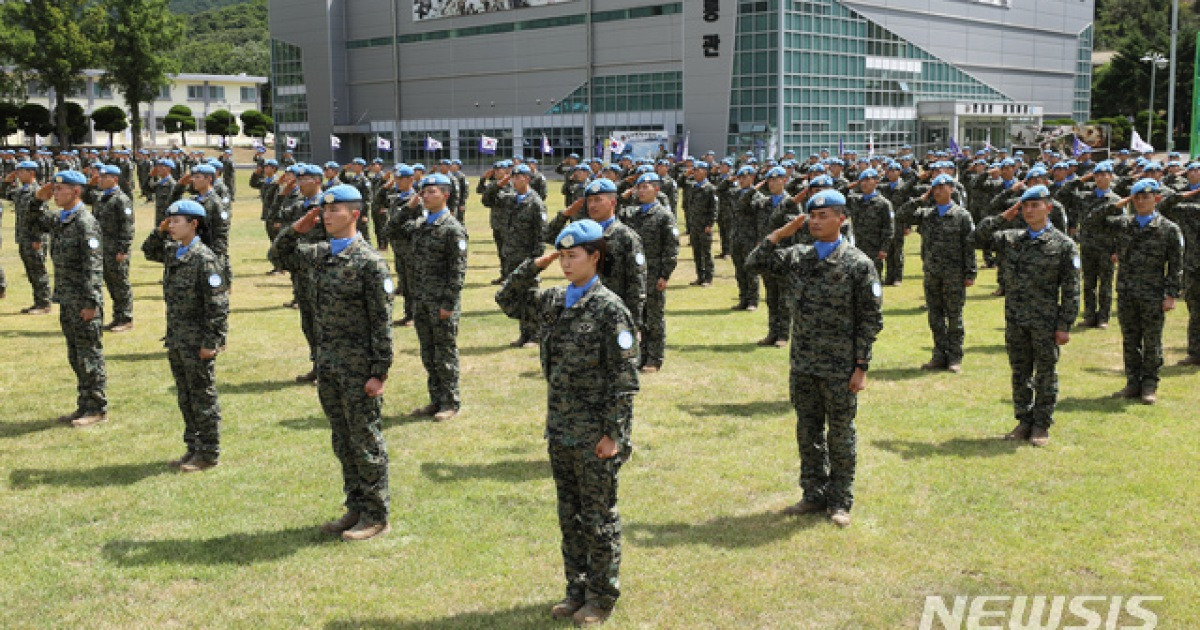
625	340
224	216
214	280
876	289
388	287
640	259
1076	262
225	200
128	212
675	232
94	243
544	217
462	244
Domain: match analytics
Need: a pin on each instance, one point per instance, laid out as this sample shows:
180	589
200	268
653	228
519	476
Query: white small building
203	93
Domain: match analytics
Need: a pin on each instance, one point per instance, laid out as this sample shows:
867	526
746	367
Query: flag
1137	144
383	144
773	147
546	148
954	149
687	137
870	144
616	146
335	142
432	145
488	145
290	142
1078	147
841	148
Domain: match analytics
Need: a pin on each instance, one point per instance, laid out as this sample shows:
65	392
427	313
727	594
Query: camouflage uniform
438	269
624	271
523	224
464	190
948	255
779	212
1185	212
659	235
874	225
836	305
28	210
197	317
1042	299
1151	270
747	227
1096	246
896	193
398	216
229	177
727	193
114	212
161	192
700	211
268	189
78	285
218	219
495	216
353	332
589	358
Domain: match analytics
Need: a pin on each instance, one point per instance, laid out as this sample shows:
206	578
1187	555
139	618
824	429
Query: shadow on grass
701	312
30	333
18	429
1104	403
743	409
511	471
475	351
241	549
158	355
896	312
749	346
896	373
998	348
494	312
957	447
262	387
306	424
259	309
532	616
729	532
114	475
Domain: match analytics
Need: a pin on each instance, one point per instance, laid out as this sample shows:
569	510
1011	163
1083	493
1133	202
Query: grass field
97	532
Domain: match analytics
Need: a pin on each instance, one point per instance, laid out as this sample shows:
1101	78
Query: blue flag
1078	147
954	150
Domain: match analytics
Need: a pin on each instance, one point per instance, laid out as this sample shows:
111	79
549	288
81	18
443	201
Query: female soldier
589	357
197	300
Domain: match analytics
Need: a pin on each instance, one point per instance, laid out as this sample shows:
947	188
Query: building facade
202	93
726	75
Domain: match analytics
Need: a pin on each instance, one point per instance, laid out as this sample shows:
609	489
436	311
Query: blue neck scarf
434	217
405	194
315	200
646	206
1101	193
336	245
112	191
1193	186
609	222
776	199
1034	235
521	198
574	293
1143	221
1008	183
942	210
869	196
64	215
824	248
184	249
269	180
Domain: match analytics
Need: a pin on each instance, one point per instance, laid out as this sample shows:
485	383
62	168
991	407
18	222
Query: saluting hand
88	314
1168	304
308	221
543	261
45	192
573	209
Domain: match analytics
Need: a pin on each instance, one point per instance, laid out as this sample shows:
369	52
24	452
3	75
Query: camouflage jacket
1184	212
1091	215
161	193
75	249
671	190
1042	274
196	295
699	205
28	210
836	305
655	226
439	260
522	220
114	211
217	219
874	222
589	357
947	241
749	219
352	295
268	189
1151	258
399	214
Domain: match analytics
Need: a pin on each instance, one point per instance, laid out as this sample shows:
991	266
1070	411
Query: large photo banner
435	9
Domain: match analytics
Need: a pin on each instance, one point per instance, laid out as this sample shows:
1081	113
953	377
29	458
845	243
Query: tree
180	120
57	39
110	119
77	123
221	123
257	124
34	120
138	36
9	112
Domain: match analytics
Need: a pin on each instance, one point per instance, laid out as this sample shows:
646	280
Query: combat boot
1149	395
70	417
1129	391
87	420
176	463
840	517
365	530
1190	359
1039	436
769	340
121	327
566	608
781	343
445	415
427	410
591	615
955	367
934	364
803	507
348	520
649	369
197	463
1020	433
309	377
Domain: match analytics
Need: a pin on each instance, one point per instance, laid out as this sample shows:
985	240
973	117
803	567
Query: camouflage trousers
35	269
654	326
196	389
272	232
1141	340
724	227
779	314
357	427
529	326
301	290
498	239
1033	357
825	434
380	219
895	259
403	279
1097	283
85	352
701	242
460	213
946	296
747	282
590	523
116	278
439	354
1191	295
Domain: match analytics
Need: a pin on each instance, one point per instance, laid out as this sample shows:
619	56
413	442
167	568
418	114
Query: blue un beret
167	162
821	181
1036	171
600	187
359	161
437	179
274	163
309	169
186	208
1145	185
110	169
777	171
28	164
825	199
404	170
70	177
341	193
1036	193
1104	167
522	169
649	178
204	169
579	233
943	179
870	172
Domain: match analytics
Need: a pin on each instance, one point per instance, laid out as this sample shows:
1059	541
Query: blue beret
110	169
445	162
260	149
1172	155
821	181
582	167
522	169
340	193
579	233
500	164
728	161
531	161
611	167
70	177
167	162
943	179
1123	152
745	170
271	163
574	156
645	168
1104	167
894	166
186	208
215	163
649	178
1036	171
1035	193
599	187
777	172
1152	166
28	164
1145	185
204	169
702	164
455	162
377	161
1192	166
420	167
332	164
437	179
663	162
404	170
825	199
1174	163
870	172
359	161
309	169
